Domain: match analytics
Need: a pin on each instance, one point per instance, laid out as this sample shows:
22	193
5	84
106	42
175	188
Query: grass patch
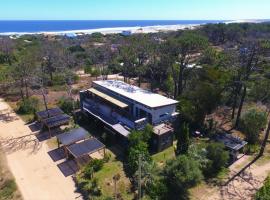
263	160
25	117
161	157
52	143
58	88
8	188
105	180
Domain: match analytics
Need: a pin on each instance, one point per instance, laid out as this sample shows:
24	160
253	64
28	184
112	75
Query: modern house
122	107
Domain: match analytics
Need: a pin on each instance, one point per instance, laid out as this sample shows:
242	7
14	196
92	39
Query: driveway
36	174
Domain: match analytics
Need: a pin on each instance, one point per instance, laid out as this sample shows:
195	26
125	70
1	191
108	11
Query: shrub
252	123
183	140
87	69
96	164
181	174
68	105
8	189
251	149
218	158
107	157
264	192
28	106
58	79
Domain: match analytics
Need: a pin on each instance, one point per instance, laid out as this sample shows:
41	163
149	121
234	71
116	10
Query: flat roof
230	141
162	129
49	113
86	147
108	98
56	121
137	94
72	136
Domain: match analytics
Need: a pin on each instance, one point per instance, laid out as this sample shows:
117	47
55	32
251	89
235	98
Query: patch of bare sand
242	187
37	176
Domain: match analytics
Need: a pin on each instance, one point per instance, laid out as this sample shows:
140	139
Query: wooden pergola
71	137
85	148
56	121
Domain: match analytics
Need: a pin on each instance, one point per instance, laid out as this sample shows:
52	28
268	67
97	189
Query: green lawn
105	180
161	157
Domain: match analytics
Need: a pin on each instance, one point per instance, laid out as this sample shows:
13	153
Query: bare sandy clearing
37	176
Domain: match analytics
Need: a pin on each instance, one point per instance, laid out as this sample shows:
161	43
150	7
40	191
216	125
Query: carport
71	137
56	121
45	114
85	148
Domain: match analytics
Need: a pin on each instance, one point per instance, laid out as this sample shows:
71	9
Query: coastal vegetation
8	187
219	73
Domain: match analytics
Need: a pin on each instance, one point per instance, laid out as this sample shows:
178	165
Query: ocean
36	26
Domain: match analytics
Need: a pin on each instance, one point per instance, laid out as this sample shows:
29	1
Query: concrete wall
156	113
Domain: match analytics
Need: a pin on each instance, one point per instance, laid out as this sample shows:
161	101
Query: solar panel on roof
72	136
49	113
57	120
86	147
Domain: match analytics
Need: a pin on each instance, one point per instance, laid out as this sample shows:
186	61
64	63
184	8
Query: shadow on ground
68	167
57	154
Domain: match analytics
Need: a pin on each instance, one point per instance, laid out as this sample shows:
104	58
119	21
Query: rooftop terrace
137	94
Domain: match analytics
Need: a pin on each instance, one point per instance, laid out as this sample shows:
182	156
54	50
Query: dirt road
37	176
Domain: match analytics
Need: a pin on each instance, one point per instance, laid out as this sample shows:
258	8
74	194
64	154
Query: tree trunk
51	76
265	140
26	88
175	90
140	80
180	80
235	101
21	89
240	107
44	101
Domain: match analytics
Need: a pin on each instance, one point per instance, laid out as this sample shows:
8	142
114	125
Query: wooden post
50	131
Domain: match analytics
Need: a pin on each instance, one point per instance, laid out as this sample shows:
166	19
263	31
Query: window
163	115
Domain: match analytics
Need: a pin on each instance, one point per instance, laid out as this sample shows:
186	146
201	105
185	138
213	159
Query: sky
134	9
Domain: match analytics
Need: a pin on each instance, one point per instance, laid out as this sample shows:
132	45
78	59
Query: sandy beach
133	30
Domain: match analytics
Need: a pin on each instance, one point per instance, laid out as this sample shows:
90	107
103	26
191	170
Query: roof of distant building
230	141
137	94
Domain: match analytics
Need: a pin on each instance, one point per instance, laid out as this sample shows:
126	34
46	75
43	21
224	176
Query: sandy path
37	176
243	187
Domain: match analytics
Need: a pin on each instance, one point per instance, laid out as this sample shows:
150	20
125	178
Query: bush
218	158
181	174
107	157
68	105
85	180
87	69
264	192
96	164
28	106
183	140
252	123
8	189
251	149
59	79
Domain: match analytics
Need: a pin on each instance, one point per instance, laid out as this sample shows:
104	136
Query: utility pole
140	177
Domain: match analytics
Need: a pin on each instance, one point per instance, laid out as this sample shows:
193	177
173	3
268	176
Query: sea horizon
9	27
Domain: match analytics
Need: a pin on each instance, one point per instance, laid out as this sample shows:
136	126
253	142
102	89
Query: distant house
126	33
233	144
122	107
